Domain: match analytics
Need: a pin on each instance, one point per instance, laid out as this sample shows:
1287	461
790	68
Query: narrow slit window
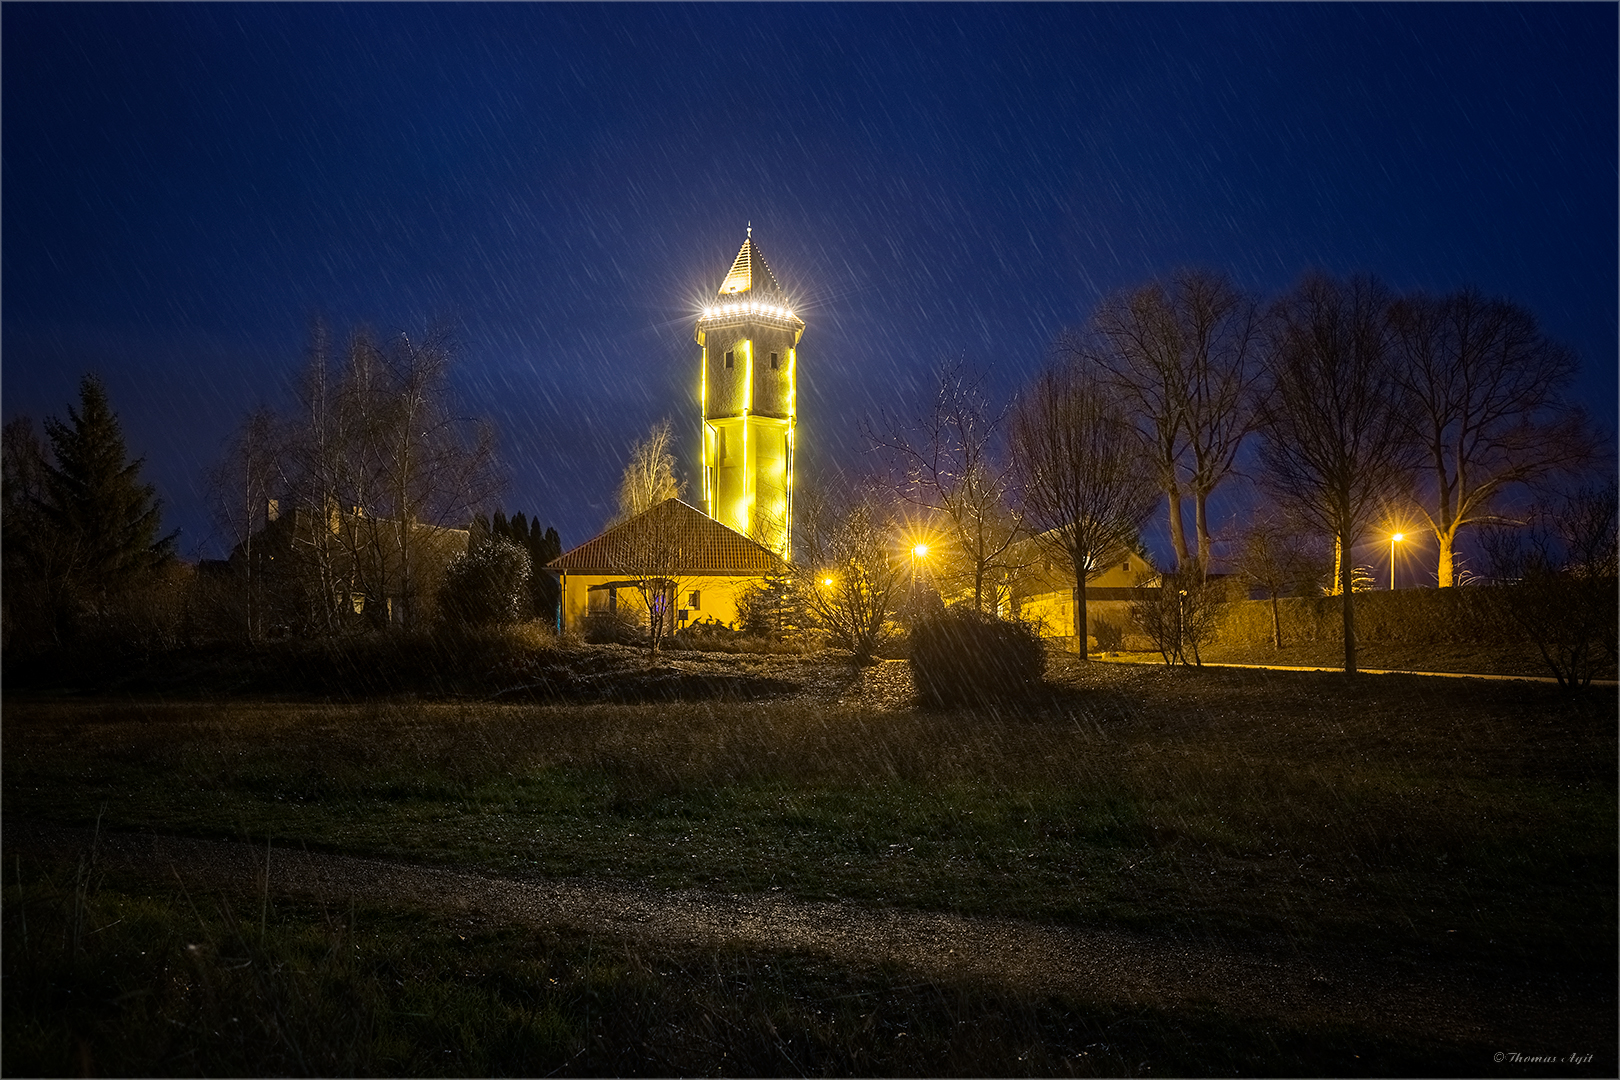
730	360
773	361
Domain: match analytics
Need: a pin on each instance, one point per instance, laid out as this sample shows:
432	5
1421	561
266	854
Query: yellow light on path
827	581
1398	537
921	551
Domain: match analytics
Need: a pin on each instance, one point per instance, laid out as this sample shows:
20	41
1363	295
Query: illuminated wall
750	339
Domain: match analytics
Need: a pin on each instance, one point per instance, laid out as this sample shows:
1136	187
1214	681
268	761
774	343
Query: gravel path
1443	1005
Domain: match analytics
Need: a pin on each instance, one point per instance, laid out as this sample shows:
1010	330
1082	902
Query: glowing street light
920	551
1393	540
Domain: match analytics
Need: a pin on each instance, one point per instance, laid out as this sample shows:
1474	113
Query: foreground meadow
1424	824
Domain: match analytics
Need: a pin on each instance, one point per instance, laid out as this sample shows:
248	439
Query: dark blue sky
184	187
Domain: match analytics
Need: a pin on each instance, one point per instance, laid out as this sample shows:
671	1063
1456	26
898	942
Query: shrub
619	626
1110	636
488	586
1182	614
963	656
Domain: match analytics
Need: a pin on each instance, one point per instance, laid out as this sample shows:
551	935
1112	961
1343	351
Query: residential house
698	568
1044	593
305	572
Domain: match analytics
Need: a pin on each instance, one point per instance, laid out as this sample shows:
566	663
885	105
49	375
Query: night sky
186	187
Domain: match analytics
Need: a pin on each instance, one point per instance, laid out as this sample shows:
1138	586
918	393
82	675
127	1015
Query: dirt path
1443	1005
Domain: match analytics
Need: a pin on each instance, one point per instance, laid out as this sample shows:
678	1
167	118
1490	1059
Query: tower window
773	361
730	360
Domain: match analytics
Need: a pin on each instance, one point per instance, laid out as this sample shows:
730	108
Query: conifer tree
95	514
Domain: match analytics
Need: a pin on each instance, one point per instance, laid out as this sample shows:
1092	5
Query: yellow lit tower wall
750	340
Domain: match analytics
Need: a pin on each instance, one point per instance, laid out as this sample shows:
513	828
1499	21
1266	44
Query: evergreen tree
95	514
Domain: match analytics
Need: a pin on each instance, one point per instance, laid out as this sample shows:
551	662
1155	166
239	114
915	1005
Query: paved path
1364	671
1435	1003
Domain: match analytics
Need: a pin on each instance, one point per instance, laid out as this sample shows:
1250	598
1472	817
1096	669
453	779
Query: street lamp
1396	537
920	551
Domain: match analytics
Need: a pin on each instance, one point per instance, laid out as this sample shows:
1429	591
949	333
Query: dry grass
1429	821
1453	816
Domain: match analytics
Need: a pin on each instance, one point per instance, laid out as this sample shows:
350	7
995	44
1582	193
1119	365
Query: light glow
920	551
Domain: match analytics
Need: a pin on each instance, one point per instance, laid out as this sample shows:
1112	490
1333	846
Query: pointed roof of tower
749	272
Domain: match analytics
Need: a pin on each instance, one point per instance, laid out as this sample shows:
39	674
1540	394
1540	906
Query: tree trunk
1178	529
1446	571
1201	528
1080	614
1276	624
1347	599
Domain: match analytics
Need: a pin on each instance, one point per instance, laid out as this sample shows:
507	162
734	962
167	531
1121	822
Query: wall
718	599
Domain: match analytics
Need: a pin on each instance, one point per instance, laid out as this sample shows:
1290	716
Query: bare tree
1182	356
1336	423
379	462
1082	481
243	488
946	465
1487	384
316	465
437	466
1558	580
657	551
860	574
1180	614
649	475
1279	556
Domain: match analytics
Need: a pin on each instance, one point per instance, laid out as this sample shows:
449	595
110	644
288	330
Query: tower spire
749	274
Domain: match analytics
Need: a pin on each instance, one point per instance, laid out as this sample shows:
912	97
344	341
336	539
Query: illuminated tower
750	337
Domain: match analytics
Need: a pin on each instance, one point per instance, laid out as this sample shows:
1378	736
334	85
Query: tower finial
750	230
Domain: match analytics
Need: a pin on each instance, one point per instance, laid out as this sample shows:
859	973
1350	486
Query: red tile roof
704	545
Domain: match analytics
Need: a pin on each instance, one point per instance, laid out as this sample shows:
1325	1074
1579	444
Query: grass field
1431	822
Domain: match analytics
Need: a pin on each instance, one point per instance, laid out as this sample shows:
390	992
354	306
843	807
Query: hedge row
1465	616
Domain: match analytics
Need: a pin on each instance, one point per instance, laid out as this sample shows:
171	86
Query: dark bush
1110	635
963	656
488	586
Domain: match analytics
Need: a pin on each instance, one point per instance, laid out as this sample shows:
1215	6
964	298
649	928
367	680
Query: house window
693	600
730	360
773	361
1127	565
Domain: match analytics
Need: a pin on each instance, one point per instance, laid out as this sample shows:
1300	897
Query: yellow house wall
718	599
1047	597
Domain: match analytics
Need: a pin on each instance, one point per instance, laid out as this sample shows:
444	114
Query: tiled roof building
703	564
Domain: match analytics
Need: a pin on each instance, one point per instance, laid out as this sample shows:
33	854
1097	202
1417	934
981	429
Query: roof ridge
704	545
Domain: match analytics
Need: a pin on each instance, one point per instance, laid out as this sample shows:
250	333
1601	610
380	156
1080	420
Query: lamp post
1394	538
